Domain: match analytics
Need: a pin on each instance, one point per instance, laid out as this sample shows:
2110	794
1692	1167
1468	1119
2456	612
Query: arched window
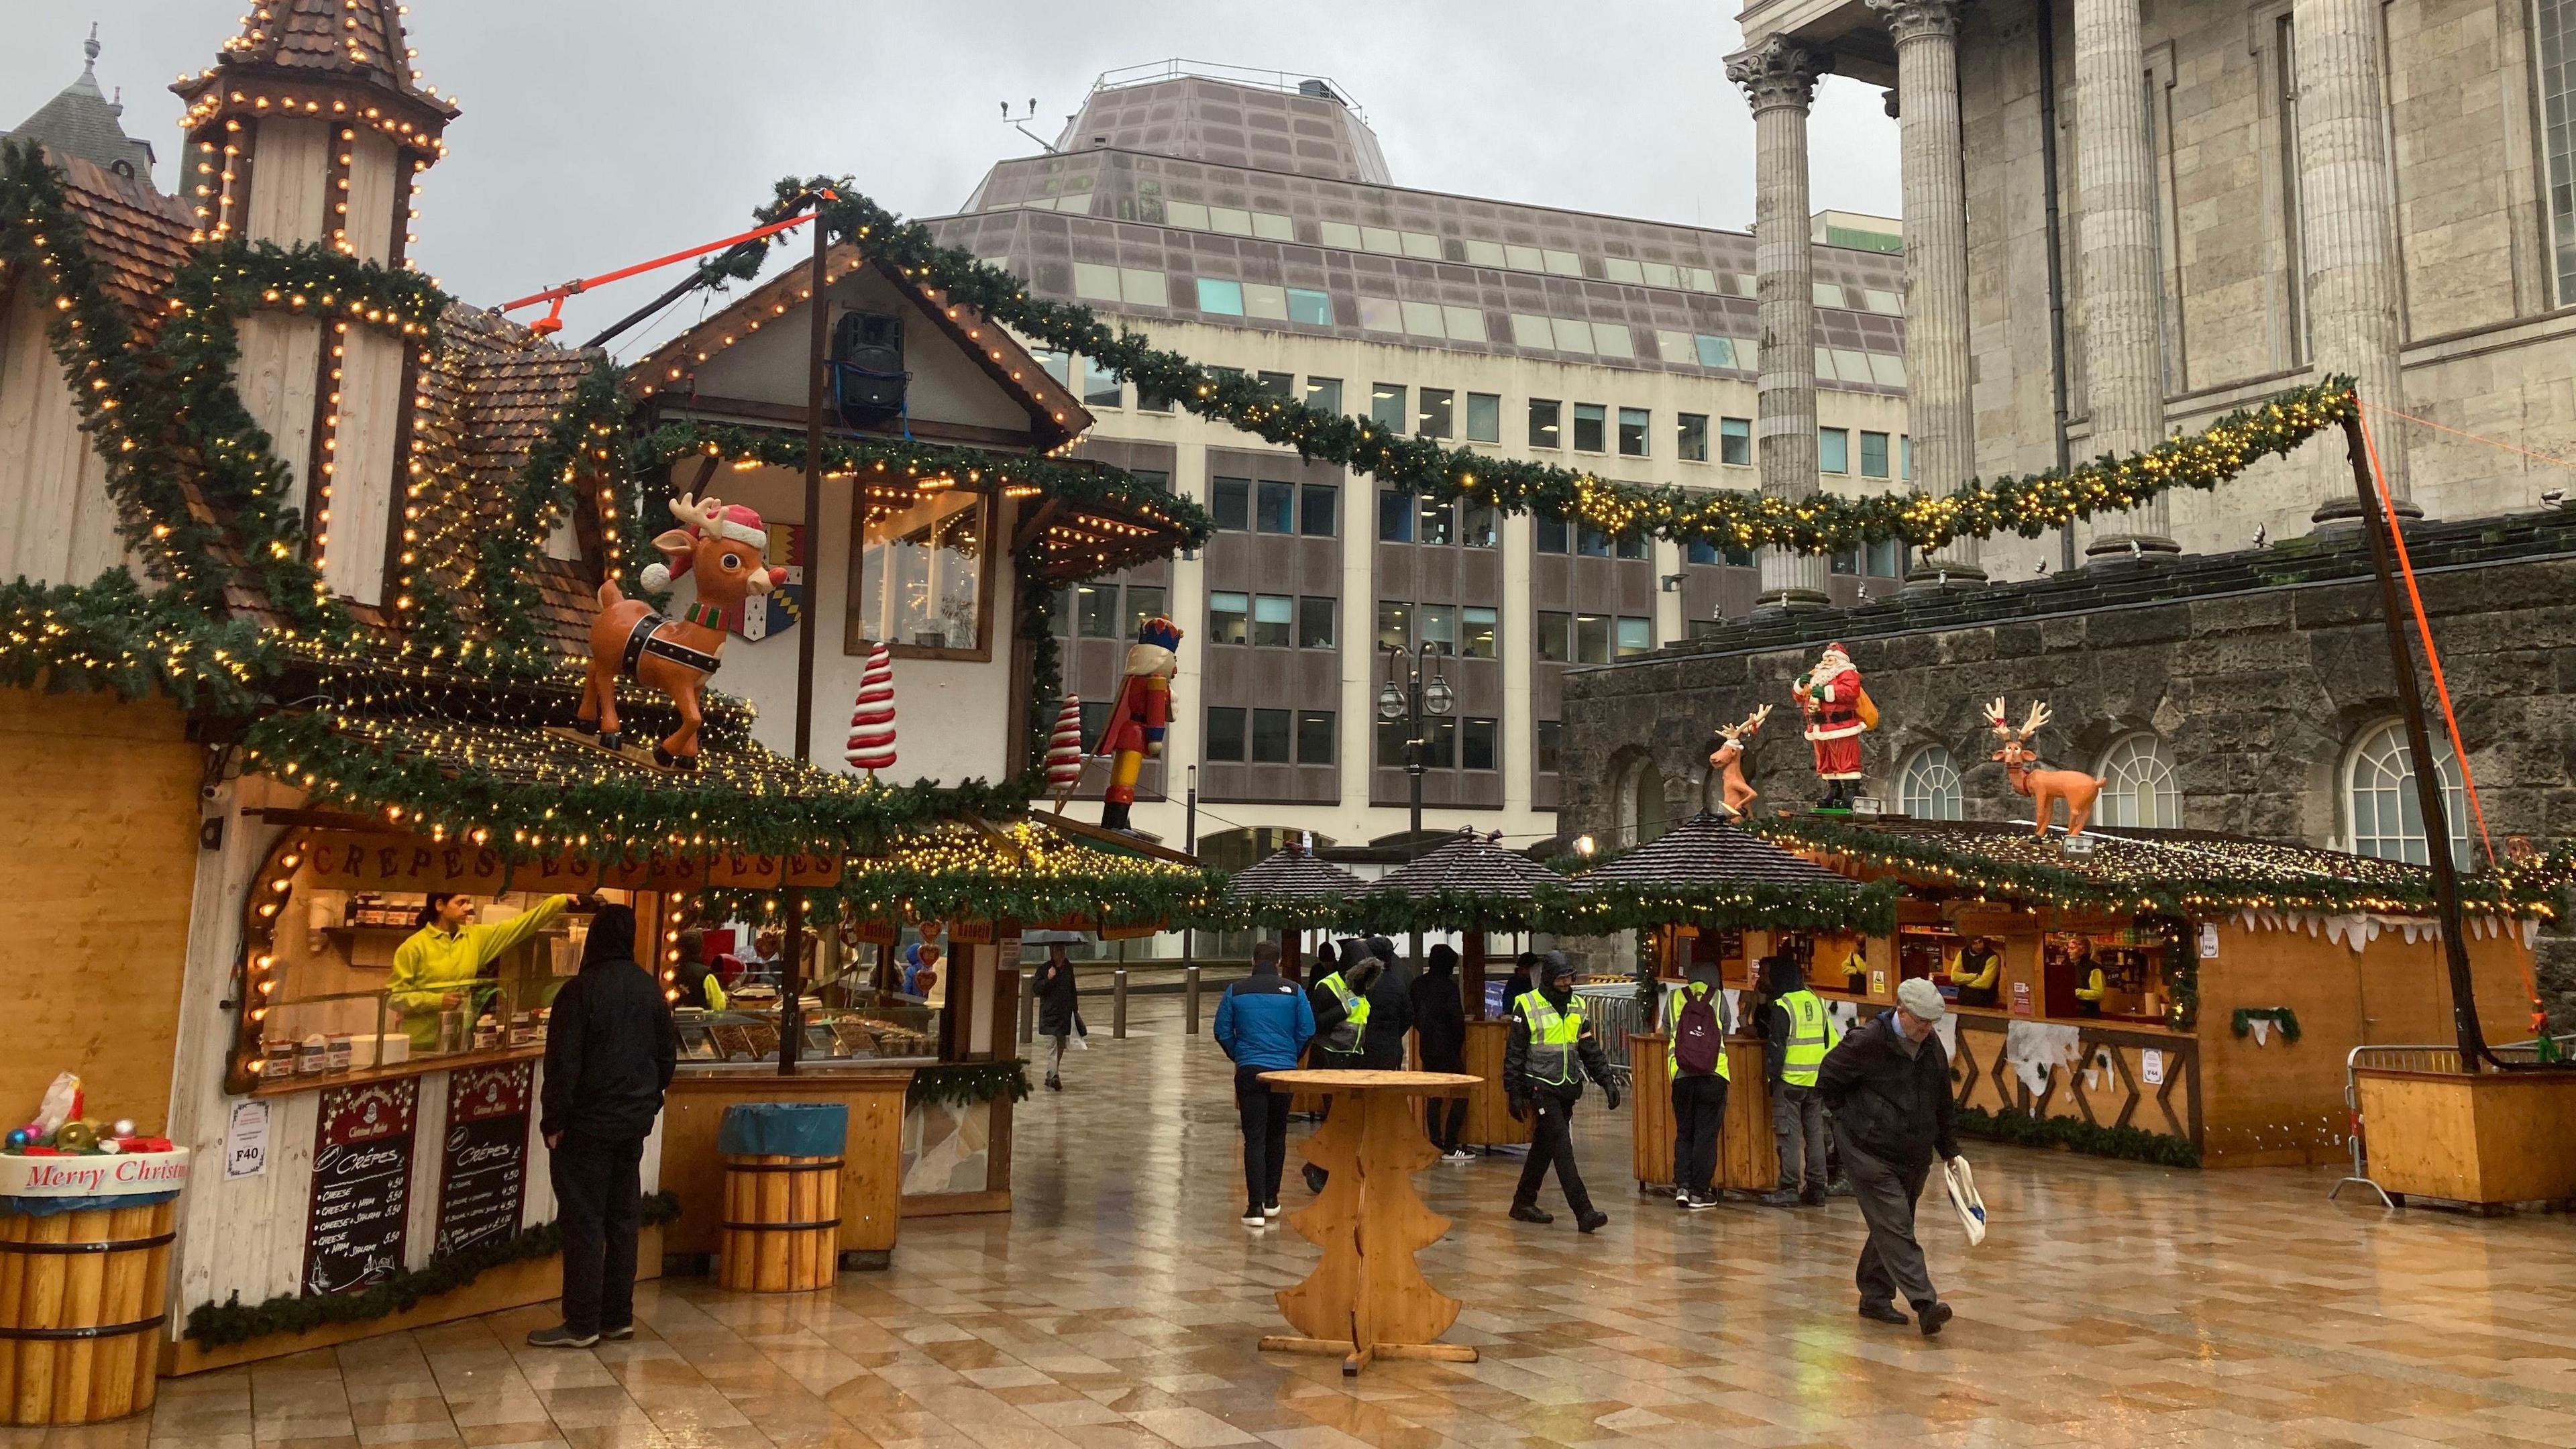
2379	798
2139	786
1645	812
1928	787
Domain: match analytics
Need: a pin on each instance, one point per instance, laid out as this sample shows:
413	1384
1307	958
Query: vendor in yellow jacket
439	967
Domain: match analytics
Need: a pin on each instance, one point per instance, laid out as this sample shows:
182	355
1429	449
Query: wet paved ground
1119	1305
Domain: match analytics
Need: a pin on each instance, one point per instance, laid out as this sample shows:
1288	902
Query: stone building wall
2258	694
2487	349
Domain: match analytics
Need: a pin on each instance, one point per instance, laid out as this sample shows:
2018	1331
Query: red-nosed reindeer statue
1728	760
2044	787
725	550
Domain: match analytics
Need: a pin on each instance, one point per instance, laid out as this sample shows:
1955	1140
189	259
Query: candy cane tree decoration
1064	752
872	722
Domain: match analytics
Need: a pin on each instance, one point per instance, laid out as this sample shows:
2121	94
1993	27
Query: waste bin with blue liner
782	1195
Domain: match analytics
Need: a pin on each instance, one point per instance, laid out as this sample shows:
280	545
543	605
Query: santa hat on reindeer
735	522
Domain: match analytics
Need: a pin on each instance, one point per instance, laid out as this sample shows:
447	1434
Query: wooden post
1471	974
2419	751
1292	955
791	975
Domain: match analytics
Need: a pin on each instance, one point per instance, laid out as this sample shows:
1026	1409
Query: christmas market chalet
307	559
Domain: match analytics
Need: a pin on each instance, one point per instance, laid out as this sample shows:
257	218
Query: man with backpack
1695	1062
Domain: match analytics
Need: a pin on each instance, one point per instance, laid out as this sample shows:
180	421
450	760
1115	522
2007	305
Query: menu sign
485	1165
361	1185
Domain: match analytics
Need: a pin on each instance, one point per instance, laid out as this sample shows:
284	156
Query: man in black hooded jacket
610	1051
1549	1038
1889	1086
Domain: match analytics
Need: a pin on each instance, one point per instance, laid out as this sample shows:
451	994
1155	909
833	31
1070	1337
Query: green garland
2028	505
2128	1144
1571	910
968	1083
2241	1021
217	1325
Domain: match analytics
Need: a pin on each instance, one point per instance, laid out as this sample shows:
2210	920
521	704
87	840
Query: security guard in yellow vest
1341	1006
1695	1069
1550	1051
1798	1033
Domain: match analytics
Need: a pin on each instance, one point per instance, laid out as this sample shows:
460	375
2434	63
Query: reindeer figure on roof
1728	760
2044	787
725	549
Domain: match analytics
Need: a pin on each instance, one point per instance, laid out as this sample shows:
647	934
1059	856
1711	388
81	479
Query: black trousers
599	1202
1552	1144
1699	1106
1444	1119
1265	1134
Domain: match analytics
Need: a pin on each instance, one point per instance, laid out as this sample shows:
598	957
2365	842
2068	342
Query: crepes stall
2181	996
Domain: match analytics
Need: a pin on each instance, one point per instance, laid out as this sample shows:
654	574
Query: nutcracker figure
1137	720
1838	710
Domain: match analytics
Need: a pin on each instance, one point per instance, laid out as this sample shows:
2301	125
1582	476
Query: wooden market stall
1293	893
2184	996
1707	892
1472	885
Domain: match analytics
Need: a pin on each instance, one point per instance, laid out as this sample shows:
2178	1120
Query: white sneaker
1458	1154
1271	1210
1252	1218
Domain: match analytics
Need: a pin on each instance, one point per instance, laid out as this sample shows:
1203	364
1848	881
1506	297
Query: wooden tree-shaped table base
1366	1299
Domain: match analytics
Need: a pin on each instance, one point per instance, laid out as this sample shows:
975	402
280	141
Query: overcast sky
601	132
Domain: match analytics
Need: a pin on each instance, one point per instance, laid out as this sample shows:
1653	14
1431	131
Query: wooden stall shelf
1489	1117
81	1303
1748	1160
1650	1111
871	1172
2485	1141
782	1222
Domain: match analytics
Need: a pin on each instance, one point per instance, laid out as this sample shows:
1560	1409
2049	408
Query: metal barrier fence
1614	1011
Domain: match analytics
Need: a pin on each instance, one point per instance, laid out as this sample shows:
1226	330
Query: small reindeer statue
1728	760
724	547
2044	787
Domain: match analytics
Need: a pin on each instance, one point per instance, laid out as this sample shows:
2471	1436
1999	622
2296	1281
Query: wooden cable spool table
1367	1299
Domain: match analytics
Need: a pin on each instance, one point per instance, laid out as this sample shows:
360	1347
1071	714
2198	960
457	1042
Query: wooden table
1366	1299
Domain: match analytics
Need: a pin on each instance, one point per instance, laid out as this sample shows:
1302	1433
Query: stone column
1941	415
2346	205
2115	190
1779	77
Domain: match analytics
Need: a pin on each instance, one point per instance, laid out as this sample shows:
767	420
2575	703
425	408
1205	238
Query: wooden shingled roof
1292	874
1706	850
1470	863
355	40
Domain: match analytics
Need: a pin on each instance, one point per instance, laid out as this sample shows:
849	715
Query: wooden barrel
81	1295
782	1224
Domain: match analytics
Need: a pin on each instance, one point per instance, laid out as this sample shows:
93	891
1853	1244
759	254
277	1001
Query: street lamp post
1408	697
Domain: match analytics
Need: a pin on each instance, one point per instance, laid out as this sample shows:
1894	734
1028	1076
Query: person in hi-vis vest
1340	1004
1550	1051
1696	1071
1797	1032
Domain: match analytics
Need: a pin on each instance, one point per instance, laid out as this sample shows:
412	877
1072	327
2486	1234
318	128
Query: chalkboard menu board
484	1169
361	1185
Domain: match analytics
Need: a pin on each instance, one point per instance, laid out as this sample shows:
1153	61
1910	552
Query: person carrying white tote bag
1963	1197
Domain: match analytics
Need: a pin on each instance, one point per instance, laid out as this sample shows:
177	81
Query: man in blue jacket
1263	1024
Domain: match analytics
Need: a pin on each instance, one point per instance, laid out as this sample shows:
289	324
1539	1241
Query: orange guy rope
2551	459
553	320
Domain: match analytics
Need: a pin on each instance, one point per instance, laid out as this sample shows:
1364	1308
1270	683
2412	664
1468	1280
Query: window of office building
1100	387
1548	532
1270	736
1886	558
1701	551
1392	737
1590	542
1095	610
1224	299
1271	620
1440	744
1386	407
1319	510
1833	450
1274	507
1315	737
1484	418
1394	625
1230	499
1690	438
1592	638
1477	626
1144	601
1435	626
1315	309
1629	545
1556	637
1229	617
1154	478
1633	423
1095	718
1873	455
1636	636
1436	523
1846	561
1315	621
1281	385
1480	524
1591	420
1735	441
1225	733
1324	394
1394	516
1479	744
1550	735
1439	416
1544	413
1057	365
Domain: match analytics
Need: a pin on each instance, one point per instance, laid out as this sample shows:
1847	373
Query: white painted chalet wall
57	522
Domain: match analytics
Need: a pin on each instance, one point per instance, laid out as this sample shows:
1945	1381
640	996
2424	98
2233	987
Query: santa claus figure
1137	721
1838	711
